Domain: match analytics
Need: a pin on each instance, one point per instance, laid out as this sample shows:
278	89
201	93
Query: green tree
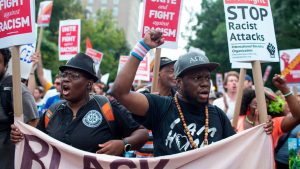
211	31
106	37
102	30
62	9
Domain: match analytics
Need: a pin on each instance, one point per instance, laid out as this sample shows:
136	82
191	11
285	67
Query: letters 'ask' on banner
44	14
250	31
38	149
69	39
163	16
17	22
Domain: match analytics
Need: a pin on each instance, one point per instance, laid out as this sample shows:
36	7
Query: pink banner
250	149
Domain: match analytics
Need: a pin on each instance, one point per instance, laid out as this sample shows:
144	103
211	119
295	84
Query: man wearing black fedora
81	116
185	121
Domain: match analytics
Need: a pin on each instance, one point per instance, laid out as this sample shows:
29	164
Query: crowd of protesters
76	107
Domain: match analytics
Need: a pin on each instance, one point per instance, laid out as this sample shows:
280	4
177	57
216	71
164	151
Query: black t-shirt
168	131
89	128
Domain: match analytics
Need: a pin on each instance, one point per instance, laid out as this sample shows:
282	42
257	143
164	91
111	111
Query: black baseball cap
164	61
193	60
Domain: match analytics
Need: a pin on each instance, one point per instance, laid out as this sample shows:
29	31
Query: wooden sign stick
239	96
259	92
17	90
154	87
38	47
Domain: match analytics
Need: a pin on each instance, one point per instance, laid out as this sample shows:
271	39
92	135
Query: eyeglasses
70	75
57	83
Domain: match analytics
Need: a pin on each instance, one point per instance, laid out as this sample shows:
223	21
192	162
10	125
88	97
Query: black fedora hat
83	63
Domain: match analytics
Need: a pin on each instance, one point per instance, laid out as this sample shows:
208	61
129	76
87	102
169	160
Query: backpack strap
53	109
107	111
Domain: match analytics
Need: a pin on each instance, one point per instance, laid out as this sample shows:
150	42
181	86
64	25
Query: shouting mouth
65	90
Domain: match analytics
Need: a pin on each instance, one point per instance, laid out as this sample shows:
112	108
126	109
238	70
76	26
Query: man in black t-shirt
185	121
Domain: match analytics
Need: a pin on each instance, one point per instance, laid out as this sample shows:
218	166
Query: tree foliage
211	31
102	30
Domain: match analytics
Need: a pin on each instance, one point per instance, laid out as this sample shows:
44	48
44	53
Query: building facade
126	13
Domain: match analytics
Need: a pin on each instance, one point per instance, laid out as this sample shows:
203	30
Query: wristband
288	94
140	50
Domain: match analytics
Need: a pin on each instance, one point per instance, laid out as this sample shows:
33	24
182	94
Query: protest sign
94	54
163	16
143	72
47	74
240	65
267	73
44	14
290	65
26	51
219	82
250	31
69	39
17	26
104	78
38	150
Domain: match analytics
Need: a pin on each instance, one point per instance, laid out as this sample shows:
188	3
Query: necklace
191	140
249	121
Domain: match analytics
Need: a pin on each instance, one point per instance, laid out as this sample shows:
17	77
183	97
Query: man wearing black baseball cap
166	79
180	117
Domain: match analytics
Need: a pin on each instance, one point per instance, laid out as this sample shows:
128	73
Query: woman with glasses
81	116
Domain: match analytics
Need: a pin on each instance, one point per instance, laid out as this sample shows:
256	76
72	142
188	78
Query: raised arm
40	73
292	101
135	102
31	80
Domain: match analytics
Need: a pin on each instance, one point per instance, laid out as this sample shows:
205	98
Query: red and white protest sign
250	31
290	65
163	16
44	14
69	39
143	72
94	54
17	25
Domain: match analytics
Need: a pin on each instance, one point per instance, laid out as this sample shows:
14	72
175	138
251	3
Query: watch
127	146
